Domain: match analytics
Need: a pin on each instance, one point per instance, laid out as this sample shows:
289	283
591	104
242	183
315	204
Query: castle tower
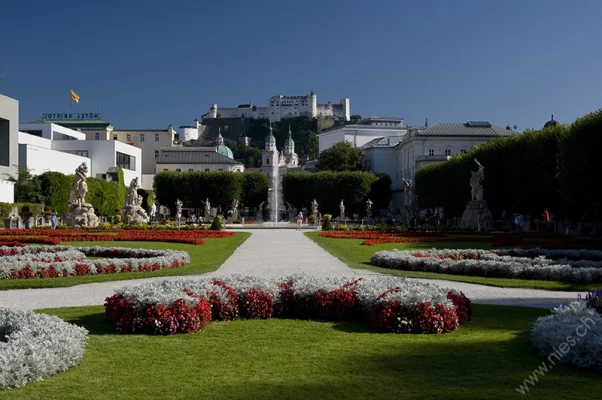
313	102
213	111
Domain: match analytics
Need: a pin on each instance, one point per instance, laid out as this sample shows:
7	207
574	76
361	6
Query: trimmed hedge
221	188
329	187
553	169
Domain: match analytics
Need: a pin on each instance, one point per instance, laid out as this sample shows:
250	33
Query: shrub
326	223
36	346
216	225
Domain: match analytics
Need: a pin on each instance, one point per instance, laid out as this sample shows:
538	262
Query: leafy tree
306	144
250	156
341	157
27	187
355	117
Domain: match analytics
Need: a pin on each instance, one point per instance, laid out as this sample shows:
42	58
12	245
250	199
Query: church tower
292	160
269	155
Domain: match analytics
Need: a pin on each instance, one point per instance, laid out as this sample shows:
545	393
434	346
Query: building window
81	153
115	137
190	169
447	152
126	161
156	154
128	137
157	137
165	170
142	137
463	151
221	169
431	152
96	136
207	170
178	170
267	160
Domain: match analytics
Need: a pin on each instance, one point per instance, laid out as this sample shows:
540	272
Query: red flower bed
157	318
194	312
57	236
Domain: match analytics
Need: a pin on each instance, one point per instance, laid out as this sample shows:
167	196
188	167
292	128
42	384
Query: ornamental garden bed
19	237
62	261
572	334
36	346
387	303
577	266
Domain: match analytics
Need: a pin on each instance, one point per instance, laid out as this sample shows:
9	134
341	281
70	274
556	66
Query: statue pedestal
470	218
139	215
81	216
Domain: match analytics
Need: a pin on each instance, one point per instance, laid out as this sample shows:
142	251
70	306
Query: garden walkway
276	252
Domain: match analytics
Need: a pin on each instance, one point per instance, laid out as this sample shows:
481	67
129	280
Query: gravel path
269	253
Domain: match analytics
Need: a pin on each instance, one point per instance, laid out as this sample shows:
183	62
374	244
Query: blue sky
149	64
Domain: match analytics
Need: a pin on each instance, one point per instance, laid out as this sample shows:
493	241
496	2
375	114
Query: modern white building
362	132
280	107
52	147
9	146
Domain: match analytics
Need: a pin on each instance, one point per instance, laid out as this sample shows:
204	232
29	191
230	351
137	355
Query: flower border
34	347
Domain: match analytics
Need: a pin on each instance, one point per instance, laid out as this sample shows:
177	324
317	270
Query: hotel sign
71	117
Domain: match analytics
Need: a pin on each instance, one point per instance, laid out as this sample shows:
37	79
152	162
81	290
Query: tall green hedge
221	188
329	188
553	169
105	197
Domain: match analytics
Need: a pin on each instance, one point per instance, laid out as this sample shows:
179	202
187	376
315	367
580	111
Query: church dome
289	141
551	123
224	151
270	138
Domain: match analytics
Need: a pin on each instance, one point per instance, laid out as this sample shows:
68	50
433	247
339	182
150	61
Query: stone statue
80	187
342	210
133	204
179	205
476	180
369	208
14	213
80	213
314	208
235	209
408	192
153	211
207	208
259	216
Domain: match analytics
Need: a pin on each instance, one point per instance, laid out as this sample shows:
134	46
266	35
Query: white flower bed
572	334
36	346
52	261
368	290
554	265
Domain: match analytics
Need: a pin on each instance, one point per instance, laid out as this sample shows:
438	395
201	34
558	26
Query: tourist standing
53	219
299	220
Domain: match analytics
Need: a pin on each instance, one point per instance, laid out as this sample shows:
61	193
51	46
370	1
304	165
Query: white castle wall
280	107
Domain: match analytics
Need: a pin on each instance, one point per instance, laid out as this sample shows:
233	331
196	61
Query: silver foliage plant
133	258
573	331
369	290
36	346
554	265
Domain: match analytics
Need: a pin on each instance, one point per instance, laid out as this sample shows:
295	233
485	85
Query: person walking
299	220
53	219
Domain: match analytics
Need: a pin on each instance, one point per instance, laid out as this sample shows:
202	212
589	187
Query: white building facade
280	107
9	146
51	147
363	132
189	159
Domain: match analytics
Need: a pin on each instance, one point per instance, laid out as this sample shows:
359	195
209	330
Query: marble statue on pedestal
314	208
133	204
369	208
234	209
80	213
476	214
342	210
207	208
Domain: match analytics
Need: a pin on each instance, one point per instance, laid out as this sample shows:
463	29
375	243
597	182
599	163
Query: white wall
357	136
9	137
7	191
382	161
189	134
39	160
26	138
147	181
103	155
49	130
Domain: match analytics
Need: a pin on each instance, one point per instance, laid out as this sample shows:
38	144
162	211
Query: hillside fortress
280	107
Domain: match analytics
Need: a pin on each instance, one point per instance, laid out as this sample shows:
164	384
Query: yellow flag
74	96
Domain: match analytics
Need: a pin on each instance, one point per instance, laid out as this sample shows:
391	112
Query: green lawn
356	256
203	258
291	359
